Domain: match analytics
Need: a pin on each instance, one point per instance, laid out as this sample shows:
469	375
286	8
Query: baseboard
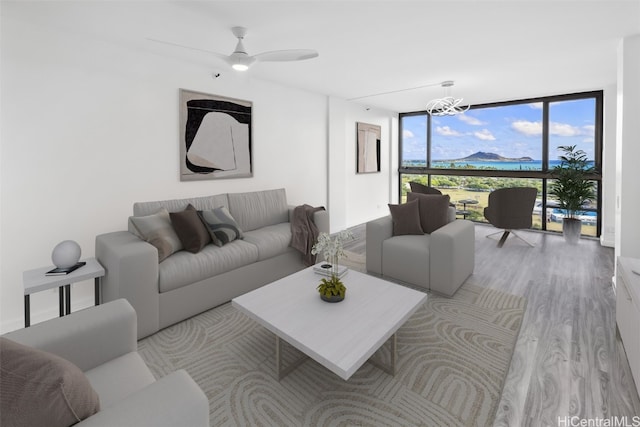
46	314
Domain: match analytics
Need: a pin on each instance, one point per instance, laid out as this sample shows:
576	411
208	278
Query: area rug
452	359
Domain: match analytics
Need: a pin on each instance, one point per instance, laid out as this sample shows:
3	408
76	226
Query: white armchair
440	261
101	341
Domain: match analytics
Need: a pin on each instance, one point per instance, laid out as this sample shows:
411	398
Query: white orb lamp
66	254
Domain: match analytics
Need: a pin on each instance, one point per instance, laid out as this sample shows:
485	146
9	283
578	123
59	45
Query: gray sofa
101	341
186	284
440	261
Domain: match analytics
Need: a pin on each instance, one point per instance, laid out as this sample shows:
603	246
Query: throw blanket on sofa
304	231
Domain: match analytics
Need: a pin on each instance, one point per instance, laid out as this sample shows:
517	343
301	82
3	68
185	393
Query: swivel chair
511	209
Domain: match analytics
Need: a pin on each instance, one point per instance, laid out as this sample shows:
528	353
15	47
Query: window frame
544	174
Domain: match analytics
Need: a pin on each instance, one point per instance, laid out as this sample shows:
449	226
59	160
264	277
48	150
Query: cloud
555	128
470	120
407	134
535	105
527	128
563	129
447	131
485	135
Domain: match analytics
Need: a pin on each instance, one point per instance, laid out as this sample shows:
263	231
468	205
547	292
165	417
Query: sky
510	131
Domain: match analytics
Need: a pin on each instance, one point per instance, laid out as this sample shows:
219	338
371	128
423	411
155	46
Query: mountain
481	156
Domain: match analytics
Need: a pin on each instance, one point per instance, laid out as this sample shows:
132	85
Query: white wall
357	198
628	149
90	127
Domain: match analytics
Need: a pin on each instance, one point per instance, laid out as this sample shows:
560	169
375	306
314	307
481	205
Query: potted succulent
572	189
331	289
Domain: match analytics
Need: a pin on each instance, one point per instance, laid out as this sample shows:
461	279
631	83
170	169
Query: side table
36	281
464	212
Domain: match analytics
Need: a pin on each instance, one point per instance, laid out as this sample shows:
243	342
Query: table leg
391	367
67	289
96	290
61	300
282	372
27	311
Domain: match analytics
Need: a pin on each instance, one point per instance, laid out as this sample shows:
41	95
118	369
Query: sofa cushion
183	268
222	227
158	230
406	218
259	209
271	241
41	389
406	258
433	210
119	377
189	227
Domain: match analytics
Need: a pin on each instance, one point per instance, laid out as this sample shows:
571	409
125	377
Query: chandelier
447	106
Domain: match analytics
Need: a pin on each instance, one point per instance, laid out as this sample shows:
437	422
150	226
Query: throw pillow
190	230
221	225
433	210
42	389
157	230
406	218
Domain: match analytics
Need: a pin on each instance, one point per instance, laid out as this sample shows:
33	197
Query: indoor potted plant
332	289
572	188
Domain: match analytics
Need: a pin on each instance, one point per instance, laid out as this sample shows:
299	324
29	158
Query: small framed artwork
215	137
368	146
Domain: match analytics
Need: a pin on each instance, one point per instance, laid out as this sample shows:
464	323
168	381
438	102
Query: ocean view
535	165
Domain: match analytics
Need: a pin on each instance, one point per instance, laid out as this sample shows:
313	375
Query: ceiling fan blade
216	54
286	55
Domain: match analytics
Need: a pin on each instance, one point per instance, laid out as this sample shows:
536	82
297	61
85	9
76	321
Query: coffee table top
340	336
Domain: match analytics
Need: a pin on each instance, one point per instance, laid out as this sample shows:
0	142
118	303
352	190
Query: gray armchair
101	341
440	261
511	209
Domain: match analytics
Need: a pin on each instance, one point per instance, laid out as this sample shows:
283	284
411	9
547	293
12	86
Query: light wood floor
569	360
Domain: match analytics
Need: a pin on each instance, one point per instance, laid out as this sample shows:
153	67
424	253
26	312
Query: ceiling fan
240	60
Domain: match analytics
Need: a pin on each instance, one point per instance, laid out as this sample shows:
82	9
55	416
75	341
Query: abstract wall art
368	148
215	137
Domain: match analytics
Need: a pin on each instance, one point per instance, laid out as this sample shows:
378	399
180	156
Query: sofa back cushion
259	209
177	205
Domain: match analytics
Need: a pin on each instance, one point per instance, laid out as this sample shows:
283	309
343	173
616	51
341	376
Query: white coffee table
340	336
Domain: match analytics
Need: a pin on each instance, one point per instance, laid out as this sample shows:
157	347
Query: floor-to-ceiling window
504	144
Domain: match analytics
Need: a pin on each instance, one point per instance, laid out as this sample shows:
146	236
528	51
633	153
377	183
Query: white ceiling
493	50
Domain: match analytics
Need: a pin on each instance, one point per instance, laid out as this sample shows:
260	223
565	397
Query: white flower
331	249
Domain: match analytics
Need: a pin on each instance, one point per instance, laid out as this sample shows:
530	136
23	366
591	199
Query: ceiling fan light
240	61
240	67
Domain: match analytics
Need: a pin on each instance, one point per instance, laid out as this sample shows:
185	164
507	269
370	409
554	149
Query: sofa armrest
452	256
174	400
377	232
88	337
321	219
131	272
